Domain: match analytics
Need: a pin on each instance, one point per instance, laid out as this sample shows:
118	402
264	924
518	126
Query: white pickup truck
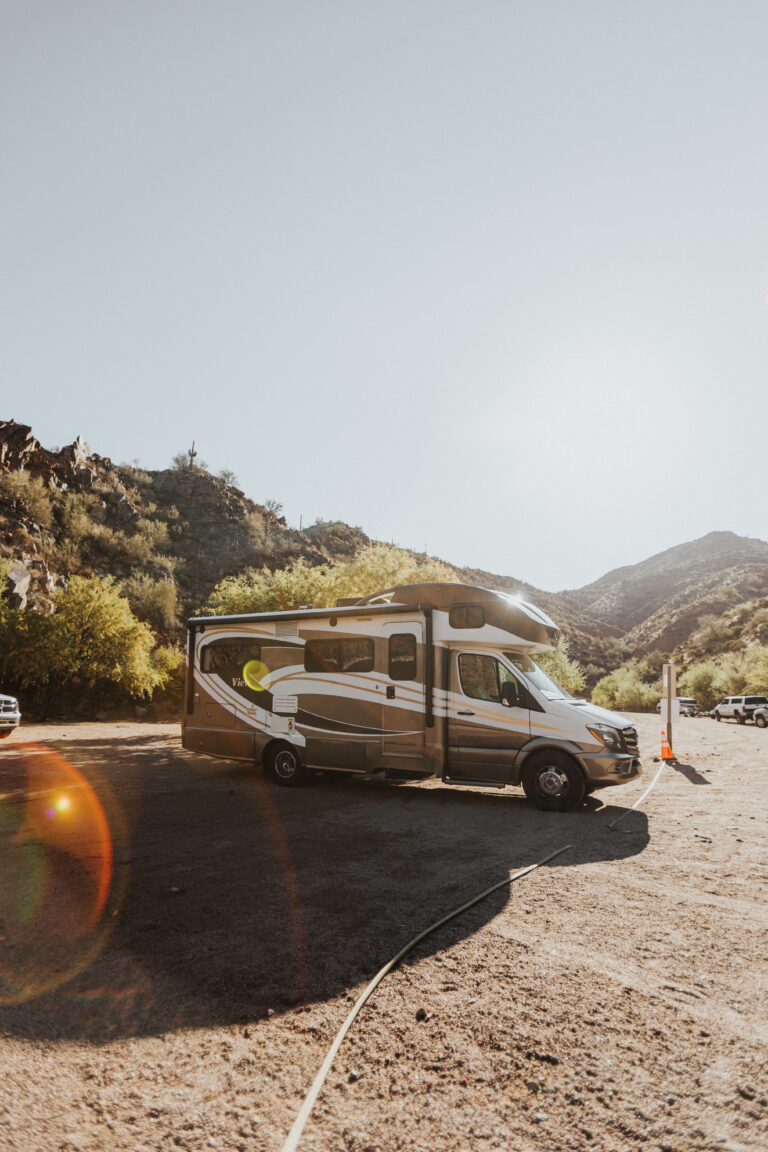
10	716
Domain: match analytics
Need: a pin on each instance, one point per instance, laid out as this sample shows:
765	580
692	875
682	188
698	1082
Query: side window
356	655
321	656
227	656
466	616
338	655
479	676
402	656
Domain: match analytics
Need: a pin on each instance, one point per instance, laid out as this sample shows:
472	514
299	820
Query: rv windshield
545	684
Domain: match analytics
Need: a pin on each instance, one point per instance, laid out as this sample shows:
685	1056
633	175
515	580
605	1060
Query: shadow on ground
230	898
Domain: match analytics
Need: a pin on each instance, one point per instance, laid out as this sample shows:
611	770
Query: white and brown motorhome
422	680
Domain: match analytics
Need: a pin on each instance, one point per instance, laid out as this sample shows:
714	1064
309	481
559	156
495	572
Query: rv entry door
403	696
486	724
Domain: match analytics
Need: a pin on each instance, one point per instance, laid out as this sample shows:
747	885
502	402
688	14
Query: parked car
688	706
10	717
760	716
739	708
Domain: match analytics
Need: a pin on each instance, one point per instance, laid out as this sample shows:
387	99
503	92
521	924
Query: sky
488	279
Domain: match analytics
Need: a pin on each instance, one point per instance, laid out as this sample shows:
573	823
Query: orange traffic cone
666	750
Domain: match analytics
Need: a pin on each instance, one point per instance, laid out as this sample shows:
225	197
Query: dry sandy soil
185	992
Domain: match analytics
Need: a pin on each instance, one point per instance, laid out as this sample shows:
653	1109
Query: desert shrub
155	601
256	529
374	569
170	667
559	665
623	690
27	496
132	474
91	638
649	667
745	671
704	682
229	477
712	634
155	532
73	513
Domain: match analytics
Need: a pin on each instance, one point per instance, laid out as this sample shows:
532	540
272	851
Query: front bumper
9	721
604	769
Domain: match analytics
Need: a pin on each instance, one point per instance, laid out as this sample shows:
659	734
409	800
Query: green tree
374	569
91	638
559	665
624	690
704	682
155	601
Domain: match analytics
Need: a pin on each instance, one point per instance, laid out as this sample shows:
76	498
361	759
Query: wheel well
274	747
537	748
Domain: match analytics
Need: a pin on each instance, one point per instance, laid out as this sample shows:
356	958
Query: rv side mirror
509	695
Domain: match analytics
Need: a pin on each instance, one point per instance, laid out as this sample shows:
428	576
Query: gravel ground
180	942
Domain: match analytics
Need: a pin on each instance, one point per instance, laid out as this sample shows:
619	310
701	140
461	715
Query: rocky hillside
170	536
72	511
657	604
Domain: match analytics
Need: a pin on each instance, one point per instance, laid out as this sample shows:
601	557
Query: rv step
405	774
467	781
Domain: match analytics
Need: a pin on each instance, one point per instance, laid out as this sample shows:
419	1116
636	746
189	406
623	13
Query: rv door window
225	655
402	656
338	656
480	676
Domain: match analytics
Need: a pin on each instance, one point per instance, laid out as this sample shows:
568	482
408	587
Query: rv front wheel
553	781
285	767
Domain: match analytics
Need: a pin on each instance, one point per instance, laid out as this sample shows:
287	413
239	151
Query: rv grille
630	740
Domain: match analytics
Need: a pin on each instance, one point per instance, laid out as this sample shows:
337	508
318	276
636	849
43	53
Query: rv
418	681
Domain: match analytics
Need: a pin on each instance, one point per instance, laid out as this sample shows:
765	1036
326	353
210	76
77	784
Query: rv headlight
606	735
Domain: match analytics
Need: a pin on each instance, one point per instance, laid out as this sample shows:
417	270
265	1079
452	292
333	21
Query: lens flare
55	872
253	673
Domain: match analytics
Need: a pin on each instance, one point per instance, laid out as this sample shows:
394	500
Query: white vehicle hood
581	710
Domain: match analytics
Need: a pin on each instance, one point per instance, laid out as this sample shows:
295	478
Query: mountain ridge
71	510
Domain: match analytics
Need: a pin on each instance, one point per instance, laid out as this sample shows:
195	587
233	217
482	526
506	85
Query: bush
374	569
72	511
623	690
155	601
92	638
561	668
704	682
27	496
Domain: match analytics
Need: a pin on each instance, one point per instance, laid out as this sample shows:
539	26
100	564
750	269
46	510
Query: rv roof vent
303	607
346	601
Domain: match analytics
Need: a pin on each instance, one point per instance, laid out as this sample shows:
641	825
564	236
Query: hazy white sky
489	278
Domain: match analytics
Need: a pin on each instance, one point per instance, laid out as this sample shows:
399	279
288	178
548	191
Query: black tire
553	781
284	766
717	717
761	721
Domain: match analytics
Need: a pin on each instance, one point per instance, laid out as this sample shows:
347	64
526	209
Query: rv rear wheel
285	767
553	781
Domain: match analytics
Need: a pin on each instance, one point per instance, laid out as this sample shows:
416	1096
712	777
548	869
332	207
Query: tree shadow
232	899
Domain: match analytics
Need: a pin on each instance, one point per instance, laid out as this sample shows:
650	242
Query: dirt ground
180	942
